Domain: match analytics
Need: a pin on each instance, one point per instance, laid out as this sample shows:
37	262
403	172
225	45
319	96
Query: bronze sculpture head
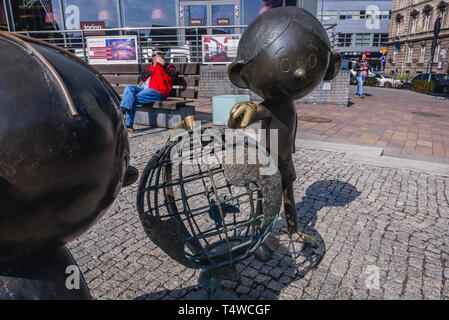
283	55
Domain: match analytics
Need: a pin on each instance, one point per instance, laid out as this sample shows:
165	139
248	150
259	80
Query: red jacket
161	77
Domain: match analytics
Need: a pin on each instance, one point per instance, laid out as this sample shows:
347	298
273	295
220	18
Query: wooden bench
166	113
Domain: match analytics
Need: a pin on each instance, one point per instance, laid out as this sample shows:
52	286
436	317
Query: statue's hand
242	114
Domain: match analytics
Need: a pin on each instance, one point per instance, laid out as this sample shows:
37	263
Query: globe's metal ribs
205	215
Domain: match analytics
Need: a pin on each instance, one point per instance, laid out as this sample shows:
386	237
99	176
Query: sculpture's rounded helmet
284	53
63	147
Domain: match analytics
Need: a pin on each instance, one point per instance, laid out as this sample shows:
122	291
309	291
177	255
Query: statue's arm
244	113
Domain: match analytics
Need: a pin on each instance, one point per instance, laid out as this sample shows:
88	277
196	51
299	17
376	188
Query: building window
3	21
414	23
345	39
363	40
398	28
327	15
426	22
29	15
410	54
395	57
351	15
436	54
422	55
380	39
148	13
77	11
252	8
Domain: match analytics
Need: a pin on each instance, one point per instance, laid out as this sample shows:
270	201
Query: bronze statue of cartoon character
283	55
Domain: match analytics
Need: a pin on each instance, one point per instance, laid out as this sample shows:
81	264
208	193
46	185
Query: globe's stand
43	275
206	214
210	280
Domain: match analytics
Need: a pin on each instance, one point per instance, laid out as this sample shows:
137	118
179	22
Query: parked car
441	83
387	82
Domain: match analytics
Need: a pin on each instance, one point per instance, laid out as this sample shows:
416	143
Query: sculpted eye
312	60
285	65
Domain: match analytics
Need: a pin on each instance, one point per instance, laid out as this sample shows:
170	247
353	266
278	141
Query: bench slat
186	81
183	68
117	68
183	93
122	79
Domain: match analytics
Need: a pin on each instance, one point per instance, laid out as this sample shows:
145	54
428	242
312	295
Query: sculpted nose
300	73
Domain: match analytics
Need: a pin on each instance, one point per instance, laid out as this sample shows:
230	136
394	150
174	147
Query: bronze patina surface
238	204
283	55
64	156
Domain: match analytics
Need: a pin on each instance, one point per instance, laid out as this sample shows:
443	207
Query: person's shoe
362	96
307	240
130	129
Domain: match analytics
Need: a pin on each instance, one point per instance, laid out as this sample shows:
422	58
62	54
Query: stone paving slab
385	118
371	221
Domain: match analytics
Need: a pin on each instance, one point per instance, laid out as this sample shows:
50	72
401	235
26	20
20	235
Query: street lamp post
436	32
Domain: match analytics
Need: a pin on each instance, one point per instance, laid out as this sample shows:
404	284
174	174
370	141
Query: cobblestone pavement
370	221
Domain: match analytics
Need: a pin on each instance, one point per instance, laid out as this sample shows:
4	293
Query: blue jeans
360	81
135	95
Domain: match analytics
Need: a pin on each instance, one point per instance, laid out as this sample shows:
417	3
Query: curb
375	156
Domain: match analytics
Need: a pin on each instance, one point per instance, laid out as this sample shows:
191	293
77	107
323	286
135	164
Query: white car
388	82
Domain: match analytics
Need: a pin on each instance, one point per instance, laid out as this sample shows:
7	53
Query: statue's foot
307	240
263	253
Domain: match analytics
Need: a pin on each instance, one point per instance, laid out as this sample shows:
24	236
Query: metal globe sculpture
202	210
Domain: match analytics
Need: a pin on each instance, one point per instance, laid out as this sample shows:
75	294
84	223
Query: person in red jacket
158	85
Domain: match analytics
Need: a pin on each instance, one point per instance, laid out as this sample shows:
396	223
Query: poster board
220	49
112	50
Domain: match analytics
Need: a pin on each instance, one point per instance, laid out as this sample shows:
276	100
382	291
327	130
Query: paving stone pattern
370	222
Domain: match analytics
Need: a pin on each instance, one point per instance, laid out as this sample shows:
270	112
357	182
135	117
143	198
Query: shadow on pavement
290	261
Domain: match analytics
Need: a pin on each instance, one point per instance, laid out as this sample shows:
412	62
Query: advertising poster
220	48
112	50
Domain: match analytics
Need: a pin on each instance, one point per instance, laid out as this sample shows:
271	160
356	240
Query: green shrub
423	86
372	82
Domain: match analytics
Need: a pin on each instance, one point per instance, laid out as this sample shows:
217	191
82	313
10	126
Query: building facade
37	15
360	27
412	34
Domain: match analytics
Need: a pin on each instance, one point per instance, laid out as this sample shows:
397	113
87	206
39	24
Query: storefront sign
220	48
223	21
442	59
90	27
195	22
112	50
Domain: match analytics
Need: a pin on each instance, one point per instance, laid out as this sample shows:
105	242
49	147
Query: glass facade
145	13
27	15
3	18
77	11
252	8
37	15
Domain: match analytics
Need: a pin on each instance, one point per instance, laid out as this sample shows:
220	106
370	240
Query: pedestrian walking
362	73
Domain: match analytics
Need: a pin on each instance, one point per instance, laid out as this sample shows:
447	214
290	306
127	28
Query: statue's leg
263	252
292	218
